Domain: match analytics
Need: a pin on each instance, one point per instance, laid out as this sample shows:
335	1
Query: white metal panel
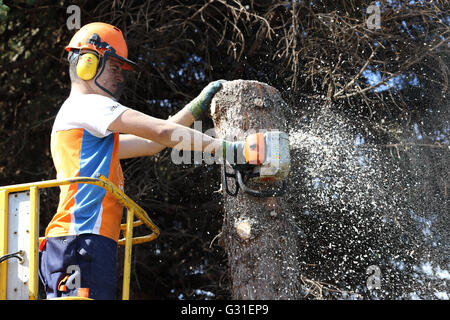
18	239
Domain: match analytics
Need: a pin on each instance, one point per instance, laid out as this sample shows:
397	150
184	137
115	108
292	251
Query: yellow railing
132	210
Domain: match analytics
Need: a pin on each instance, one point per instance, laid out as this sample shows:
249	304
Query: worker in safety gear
91	133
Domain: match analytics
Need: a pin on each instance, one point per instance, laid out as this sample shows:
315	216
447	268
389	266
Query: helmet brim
126	63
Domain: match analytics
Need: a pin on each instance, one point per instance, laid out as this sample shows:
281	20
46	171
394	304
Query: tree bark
258	234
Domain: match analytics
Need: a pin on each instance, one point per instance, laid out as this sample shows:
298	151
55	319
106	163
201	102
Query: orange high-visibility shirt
82	146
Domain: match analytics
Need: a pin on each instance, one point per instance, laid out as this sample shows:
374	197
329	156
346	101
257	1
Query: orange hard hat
102	37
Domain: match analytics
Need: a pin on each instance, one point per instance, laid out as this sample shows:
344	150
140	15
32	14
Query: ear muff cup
87	66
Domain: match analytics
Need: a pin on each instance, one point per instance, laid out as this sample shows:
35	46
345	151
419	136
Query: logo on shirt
114	107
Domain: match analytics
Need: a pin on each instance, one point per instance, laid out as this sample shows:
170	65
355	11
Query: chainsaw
266	159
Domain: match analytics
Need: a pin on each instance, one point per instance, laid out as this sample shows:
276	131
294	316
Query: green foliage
3	11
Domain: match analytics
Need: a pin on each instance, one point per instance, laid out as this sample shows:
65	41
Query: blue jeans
83	261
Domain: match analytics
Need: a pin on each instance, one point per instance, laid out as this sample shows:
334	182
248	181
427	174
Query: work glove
201	104
250	151
233	152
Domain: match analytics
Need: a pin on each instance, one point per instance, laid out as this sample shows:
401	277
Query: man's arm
163	132
132	146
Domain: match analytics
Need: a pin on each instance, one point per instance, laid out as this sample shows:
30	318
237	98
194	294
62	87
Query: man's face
112	79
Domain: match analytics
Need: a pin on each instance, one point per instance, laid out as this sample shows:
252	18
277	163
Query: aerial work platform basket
19	235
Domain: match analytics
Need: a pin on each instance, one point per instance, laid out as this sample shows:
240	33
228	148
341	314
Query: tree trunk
258	233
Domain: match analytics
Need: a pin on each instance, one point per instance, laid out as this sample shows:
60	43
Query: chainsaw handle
259	193
225	182
239	183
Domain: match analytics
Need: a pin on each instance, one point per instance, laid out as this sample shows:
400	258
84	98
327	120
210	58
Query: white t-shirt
92	112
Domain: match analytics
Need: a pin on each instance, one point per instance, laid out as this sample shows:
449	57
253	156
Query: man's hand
201	103
233	152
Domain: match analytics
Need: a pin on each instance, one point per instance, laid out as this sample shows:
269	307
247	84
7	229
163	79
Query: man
91	133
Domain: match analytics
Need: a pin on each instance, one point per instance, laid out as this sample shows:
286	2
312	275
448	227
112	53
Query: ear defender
87	66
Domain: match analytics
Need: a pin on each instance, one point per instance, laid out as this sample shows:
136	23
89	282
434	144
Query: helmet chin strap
118	92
